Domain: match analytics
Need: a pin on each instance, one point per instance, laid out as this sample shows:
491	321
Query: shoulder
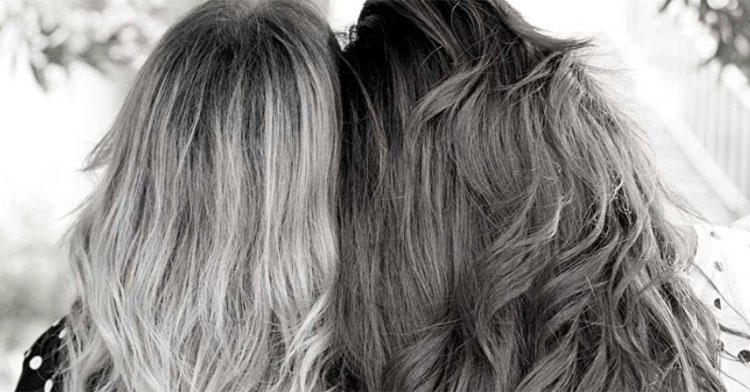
720	277
723	258
724	249
42	361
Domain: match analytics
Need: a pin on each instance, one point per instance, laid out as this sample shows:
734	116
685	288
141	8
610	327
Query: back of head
502	225
203	258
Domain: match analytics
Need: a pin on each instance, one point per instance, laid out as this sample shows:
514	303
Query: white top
720	277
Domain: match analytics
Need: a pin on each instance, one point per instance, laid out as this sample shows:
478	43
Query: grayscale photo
375	195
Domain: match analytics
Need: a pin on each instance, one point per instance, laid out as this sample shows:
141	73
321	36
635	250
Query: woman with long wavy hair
205	257
502	226
494	224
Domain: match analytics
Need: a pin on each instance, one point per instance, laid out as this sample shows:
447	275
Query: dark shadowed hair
204	260
502	227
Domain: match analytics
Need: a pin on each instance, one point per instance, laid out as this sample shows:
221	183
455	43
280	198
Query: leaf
703	10
58	54
96	56
41	80
665	5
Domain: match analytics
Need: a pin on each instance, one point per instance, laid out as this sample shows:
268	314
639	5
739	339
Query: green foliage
729	23
52	35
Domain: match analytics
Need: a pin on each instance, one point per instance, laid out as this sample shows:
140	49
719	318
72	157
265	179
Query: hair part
205	258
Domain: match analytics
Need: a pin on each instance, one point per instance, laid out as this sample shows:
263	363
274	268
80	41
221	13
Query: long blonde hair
205	257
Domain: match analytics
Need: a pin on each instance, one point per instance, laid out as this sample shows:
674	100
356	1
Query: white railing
712	102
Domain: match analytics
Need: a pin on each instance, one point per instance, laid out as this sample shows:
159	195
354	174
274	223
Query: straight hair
205	258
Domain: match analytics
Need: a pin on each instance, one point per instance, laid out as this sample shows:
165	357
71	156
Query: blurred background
681	67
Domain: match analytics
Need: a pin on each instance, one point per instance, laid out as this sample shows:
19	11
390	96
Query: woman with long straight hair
502	226
205	257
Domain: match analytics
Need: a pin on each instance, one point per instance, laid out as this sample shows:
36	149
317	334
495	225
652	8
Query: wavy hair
502	226
206	256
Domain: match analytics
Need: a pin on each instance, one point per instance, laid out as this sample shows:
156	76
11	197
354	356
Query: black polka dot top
41	363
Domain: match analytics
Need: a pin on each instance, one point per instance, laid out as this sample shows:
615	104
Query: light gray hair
204	260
